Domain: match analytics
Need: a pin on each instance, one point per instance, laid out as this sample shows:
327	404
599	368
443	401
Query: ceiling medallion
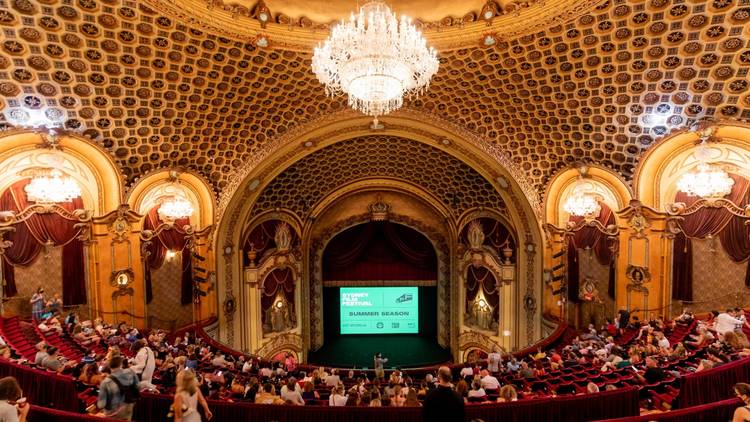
582	202
708	180
375	60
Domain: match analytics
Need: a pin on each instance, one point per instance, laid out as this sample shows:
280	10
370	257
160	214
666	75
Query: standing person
726	322
443	403
144	363
623	316
187	398
12	409
379	361
494	360
37	304
115	392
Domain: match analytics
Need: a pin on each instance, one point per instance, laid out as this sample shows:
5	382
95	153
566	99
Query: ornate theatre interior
554	169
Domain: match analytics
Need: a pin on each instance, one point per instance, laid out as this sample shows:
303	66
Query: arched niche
147	192
92	167
659	169
607	185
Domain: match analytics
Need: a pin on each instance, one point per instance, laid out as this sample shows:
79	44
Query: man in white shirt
726	322
333	379
489	382
494	360
219	360
144	364
466	371
247	366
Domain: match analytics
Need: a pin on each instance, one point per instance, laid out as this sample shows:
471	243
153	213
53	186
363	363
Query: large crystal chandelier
375	59
175	204
581	203
175	208
50	185
708	180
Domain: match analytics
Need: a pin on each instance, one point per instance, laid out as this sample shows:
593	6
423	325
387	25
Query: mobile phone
21	402
219	374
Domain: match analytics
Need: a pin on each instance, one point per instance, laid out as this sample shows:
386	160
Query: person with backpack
118	392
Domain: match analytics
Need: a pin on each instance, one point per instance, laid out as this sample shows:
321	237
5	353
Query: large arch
509	185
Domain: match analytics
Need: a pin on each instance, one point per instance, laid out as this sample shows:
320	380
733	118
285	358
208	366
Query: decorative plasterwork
280	343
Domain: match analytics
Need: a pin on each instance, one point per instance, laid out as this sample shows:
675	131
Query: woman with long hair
187	398
742	414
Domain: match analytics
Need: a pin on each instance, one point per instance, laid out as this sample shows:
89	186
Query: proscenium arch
651	170
238	199
617	194
440	232
198	192
107	195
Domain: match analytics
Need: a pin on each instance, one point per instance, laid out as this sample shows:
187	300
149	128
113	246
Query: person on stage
379	361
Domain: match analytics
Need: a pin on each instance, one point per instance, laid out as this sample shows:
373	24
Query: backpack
131	393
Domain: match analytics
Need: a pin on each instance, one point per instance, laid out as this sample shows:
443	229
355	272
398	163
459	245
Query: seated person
41	354
476	390
268	395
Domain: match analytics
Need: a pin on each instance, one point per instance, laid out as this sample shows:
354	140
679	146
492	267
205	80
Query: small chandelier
175	205
375	60
708	180
582	202
50	185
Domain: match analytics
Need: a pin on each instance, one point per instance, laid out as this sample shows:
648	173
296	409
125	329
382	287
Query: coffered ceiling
158	90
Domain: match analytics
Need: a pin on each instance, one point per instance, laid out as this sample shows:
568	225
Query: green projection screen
379	310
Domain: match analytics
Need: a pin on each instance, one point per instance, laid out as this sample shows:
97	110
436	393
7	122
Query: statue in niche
283	237
279	316
592	312
481	314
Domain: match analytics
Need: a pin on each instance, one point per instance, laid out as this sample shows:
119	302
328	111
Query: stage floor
405	351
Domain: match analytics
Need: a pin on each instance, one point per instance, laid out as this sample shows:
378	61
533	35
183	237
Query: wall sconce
170	255
506	333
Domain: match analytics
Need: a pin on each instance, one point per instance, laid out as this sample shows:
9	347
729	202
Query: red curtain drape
380	251
496	234
38	230
168	240
482	278
590	237
704	222
278	279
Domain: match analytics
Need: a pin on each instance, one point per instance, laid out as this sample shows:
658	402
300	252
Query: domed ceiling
158	84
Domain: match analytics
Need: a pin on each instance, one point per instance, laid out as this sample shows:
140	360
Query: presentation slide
379	310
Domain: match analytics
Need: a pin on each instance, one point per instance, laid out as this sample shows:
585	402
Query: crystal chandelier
376	60
582	204
174	208
708	180
49	186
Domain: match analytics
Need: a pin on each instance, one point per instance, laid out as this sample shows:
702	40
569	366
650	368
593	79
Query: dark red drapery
379	251
590	237
496	234
168	240
278	279
482	278
40	229
734	236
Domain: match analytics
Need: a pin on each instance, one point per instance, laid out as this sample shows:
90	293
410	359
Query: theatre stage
402	350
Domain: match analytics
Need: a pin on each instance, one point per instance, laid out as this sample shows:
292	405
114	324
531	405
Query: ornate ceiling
305	183
158	90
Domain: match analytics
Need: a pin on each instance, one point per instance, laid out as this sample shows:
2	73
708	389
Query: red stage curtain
174	240
38	230
708	221
379	251
483	278
590	237
280	278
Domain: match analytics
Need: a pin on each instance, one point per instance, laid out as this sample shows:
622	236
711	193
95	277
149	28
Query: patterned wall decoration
718	282
310	179
46	271
590	267
158	92
165	309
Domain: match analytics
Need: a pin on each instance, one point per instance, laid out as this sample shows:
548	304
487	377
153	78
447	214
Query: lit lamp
170	254
175	205
707	180
375	60
50	185
582	202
